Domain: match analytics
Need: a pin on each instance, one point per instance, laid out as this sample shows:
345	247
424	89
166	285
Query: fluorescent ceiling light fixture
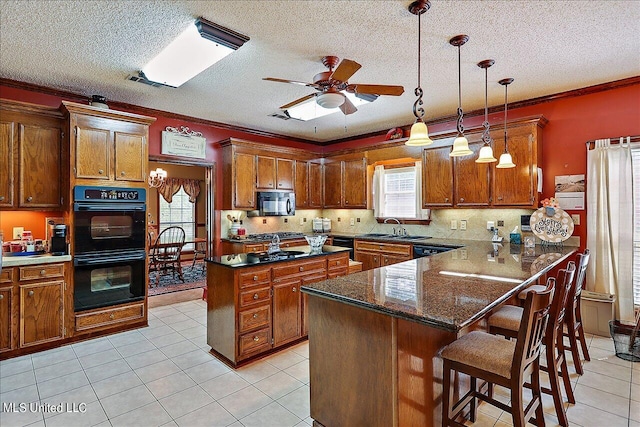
200	46
310	109
481	276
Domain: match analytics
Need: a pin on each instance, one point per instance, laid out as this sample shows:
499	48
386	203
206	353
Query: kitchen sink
412	237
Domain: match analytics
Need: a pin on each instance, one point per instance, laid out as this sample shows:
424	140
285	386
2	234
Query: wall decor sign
183	142
552	226
570	191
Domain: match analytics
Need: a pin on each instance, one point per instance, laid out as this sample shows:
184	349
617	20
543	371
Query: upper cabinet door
333	184
40	148
245	179
354	183
130	157
7	156
472	181
302	184
266	173
284	174
437	177
517	186
316	188
93	152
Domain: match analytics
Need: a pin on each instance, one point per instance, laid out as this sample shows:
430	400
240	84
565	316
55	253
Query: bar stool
506	321
573	320
498	361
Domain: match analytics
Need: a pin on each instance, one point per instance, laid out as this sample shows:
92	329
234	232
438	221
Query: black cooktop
280	234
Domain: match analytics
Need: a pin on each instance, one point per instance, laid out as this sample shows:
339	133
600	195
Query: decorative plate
551	226
394	133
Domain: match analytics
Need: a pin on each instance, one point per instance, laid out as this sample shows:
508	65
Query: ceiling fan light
486	155
505	161
460	147
330	100
419	135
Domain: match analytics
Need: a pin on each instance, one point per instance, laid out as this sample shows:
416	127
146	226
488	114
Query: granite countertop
449	290
18	261
262	258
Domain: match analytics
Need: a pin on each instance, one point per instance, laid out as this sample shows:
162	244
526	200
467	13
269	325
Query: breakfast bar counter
375	336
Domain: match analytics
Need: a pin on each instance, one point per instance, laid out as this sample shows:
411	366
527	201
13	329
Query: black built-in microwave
275	203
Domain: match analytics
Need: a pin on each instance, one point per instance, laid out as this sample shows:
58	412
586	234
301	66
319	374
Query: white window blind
180	212
400	192
635	161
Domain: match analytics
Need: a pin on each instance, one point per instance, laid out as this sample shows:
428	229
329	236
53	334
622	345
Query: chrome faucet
386	221
400	231
274	246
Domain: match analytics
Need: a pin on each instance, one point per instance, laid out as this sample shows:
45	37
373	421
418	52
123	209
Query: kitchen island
375	336
254	303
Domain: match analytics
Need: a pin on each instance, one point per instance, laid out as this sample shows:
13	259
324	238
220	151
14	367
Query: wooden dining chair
507	320
573	320
167	250
498	361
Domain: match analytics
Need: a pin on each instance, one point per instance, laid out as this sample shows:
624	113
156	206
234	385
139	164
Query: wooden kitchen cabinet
285	174
437	178
302	184
333	184
31	157
345	184
7	319
316	187
244	173
287	311
274	173
374	254
41	312
107	146
472	180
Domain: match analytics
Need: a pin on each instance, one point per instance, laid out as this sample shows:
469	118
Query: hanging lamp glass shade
505	161
486	155
460	147
419	135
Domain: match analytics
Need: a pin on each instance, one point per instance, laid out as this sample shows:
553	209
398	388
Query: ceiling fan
332	85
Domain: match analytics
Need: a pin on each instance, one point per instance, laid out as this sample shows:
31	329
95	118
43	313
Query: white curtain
420	213
610	220
378	191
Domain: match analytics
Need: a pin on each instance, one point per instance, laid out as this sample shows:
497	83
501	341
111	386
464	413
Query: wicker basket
626	340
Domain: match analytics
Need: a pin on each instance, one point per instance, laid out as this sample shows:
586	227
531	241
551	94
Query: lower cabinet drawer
255	296
44	271
254	342
109	317
254	318
5	275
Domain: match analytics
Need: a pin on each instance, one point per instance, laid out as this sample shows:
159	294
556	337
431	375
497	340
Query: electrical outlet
491	225
264	220
301	221
286	220
339	219
454	224
500	223
17	233
305	219
357	219
463	224
576	219
352	222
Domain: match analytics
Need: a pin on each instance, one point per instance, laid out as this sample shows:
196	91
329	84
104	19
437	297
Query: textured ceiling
90	47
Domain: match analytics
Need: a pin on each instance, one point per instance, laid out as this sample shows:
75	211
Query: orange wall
572	122
32	221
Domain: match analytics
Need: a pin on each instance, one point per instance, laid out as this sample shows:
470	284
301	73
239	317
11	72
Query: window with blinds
635	161
180	212
400	192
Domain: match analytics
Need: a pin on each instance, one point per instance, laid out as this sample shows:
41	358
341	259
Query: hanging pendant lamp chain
460	114
418	111
486	137
506	150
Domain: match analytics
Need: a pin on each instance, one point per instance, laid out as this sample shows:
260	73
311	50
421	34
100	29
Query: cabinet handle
30	293
29	199
100	171
43	272
255	315
255	278
301	268
255	296
346	202
271	184
446	199
294	289
461	199
111	316
280	185
1	198
1	297
249	201
122	173
499	197
256	338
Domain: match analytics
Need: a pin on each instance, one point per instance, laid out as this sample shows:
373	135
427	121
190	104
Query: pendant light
486	152
419	135
460	144
505	158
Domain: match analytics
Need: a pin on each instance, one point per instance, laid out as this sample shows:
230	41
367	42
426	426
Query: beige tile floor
163	375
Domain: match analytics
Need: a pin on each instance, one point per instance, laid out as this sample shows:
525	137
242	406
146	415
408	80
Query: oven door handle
109	207
106	260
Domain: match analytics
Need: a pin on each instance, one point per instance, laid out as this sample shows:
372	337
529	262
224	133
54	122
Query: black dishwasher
420	251
345	242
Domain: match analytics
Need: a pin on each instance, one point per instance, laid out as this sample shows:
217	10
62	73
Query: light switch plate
352	221
454	224
490	225
463	224
17	233
301	221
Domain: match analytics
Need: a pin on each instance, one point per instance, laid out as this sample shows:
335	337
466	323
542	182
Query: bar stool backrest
583	263
562	292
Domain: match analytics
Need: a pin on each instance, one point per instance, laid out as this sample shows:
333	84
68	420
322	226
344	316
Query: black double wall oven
109	239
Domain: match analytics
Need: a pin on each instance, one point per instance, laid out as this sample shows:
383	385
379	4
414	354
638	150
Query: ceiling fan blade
377	89
273	79
298	101
347	107
346	69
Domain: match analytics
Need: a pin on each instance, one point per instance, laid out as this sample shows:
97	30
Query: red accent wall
572	122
